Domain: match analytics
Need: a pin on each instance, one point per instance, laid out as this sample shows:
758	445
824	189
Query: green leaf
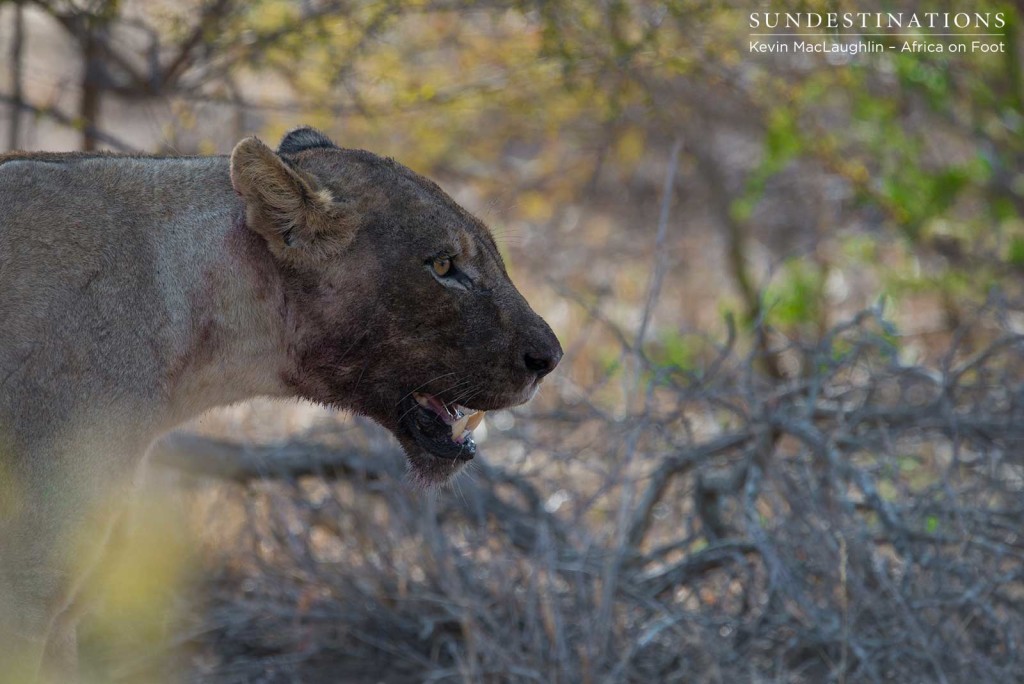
1016	251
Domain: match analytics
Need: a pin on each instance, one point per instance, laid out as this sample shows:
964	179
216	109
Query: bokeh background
786	443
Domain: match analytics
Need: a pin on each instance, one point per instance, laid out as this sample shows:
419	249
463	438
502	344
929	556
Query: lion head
396	301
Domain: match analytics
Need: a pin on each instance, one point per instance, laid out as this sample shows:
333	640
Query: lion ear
304	138
285	206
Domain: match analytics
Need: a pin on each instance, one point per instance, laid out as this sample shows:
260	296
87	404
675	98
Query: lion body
137	292
131	299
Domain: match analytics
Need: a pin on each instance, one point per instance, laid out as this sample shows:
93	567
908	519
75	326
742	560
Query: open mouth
443	430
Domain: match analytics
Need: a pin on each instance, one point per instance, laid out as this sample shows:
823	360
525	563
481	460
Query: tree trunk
89	108
17	93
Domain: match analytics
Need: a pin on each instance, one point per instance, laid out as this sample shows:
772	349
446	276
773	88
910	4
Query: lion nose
543	362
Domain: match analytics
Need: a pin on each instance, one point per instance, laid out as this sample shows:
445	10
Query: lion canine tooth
474	420
459	426
466	424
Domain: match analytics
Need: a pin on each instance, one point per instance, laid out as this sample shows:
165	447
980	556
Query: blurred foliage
930	144
148	559
540	109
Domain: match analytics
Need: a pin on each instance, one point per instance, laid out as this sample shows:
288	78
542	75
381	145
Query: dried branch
69	121
207	457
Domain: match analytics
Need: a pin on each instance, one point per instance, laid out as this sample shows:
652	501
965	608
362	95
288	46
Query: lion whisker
416	389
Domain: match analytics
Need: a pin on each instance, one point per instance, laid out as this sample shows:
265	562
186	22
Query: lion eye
442	266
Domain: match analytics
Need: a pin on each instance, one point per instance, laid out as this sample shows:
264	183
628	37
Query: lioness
137	292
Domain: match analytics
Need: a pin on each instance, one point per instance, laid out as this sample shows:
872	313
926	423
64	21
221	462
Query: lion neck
232	345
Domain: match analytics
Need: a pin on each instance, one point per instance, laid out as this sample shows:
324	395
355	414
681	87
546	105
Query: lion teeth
462	420
466	424
459	426
474	420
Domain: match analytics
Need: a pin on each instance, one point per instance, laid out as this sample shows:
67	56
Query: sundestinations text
877	20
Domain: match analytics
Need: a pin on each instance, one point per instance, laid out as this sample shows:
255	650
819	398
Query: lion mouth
444	430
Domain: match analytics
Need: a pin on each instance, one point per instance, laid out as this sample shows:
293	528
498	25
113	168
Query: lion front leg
49	551
30	602
60	657
40	607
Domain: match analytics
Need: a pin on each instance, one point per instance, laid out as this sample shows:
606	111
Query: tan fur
137	292
119	321
286	205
